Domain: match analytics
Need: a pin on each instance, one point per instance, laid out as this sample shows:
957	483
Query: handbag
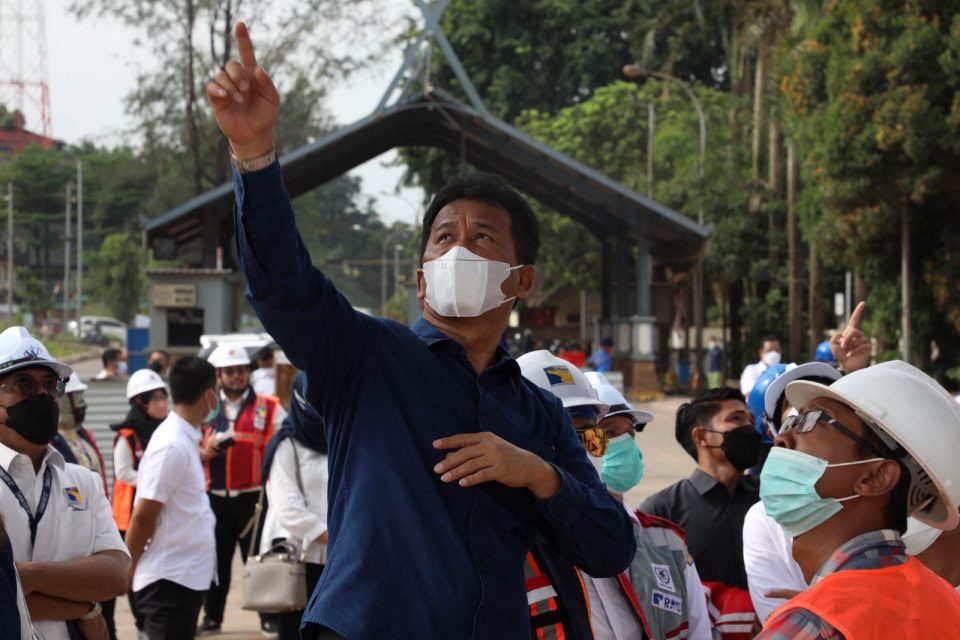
274	581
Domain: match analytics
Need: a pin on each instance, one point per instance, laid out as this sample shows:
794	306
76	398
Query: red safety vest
123	493
906	602
731	610
242	463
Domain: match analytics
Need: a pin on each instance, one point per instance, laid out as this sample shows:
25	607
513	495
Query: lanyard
41	507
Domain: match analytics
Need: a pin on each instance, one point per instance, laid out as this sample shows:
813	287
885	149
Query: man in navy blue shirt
444	462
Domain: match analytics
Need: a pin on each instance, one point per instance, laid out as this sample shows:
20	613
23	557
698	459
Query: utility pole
9	252
396	268
79	241
905	275
651	134
66	261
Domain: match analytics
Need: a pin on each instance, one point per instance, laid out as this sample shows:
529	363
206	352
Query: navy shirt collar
431	336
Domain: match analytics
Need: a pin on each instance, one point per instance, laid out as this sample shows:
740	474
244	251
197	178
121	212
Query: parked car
252	342
100	330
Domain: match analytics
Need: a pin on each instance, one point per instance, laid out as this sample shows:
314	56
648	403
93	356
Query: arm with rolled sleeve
302	310
584	522
285	496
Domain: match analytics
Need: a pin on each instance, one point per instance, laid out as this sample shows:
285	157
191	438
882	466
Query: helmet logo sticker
558	374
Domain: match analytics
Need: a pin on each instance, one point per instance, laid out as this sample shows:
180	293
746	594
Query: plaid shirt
873	550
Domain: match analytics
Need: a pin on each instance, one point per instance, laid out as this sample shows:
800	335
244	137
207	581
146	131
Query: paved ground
665	463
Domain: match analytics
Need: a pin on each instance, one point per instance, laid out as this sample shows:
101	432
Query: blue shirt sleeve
584	522
317	327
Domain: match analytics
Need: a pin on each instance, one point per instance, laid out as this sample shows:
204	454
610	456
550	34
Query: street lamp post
635	71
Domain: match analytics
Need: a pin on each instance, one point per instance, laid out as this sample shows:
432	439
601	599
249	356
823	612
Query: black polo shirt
712	518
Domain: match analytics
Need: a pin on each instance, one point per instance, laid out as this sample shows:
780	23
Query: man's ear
528	274
878	479
421	285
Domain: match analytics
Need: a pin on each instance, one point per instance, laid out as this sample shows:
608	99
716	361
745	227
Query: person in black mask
716	429
295	467
147	394
159	362
67	549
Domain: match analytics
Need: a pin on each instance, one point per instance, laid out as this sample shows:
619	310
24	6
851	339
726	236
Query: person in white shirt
295	472
170	577
68	551
769	353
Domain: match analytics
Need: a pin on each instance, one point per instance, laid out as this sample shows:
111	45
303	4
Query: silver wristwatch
254	164
93	613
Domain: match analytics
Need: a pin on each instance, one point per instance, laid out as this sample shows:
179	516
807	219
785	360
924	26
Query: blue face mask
788	490
622	464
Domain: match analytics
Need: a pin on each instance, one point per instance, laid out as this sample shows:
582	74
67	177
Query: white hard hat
142	381
75	384
793	372
917	419
229	355
19	350
618	404
561	378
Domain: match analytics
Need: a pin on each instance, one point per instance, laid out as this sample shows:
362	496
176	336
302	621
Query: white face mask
771	358
462	284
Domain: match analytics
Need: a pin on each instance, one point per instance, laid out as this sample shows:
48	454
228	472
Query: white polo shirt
768	559
182	548
78	521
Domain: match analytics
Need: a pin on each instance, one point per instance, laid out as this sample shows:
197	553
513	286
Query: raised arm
316	326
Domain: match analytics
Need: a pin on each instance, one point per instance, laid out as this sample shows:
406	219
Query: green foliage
115	276
34	294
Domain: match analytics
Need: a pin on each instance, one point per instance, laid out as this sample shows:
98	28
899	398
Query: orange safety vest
907	602
123	493
240	467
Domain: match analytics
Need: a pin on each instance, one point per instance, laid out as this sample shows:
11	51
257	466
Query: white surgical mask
771	358
462	284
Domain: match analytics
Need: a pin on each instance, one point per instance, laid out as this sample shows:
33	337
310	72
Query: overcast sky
92	65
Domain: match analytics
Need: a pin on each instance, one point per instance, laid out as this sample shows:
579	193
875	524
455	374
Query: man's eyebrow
442	225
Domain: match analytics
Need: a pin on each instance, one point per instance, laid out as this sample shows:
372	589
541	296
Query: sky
92	65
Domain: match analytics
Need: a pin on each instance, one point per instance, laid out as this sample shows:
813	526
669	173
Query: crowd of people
427	484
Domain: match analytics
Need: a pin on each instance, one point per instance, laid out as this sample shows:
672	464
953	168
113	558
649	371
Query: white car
252	342
110	330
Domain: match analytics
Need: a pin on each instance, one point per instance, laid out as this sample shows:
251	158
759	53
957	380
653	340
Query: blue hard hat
756	401
824	353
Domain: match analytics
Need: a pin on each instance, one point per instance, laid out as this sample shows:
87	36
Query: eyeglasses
594	440
28	386
808	421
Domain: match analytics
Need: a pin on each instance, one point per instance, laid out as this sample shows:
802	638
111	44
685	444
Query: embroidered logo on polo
664	601
558	374
75	498
664	578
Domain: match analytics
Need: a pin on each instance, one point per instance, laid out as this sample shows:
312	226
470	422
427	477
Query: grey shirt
712	518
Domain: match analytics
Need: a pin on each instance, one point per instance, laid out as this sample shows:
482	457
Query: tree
115	278
33	293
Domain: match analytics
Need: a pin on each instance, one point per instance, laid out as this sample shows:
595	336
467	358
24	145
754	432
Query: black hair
144	398
165	354
766	339
190	378
491	189
109	355
700	411
265	353
778	409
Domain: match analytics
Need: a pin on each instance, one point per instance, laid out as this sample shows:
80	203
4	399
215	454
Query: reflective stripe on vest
907	602
731	610
239	468
542	598
123	493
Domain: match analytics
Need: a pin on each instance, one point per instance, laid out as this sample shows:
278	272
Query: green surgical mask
622	464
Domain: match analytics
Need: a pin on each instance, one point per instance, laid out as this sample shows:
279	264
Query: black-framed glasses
594	440
808	421
28	386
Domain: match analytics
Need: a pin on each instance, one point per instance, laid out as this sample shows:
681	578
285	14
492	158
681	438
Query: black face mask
742	447
155	366
35	418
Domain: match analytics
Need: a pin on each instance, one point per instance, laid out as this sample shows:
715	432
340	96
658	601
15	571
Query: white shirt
183	548
611	615
768	558
297	515
751	373
264	382
73	526
123	469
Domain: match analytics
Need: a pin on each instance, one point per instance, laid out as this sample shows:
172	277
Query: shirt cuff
563	506
313	533
259	188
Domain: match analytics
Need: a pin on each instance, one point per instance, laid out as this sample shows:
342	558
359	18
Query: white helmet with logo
19	350
75	384
562	379
917	419
618	404
793	372
229	355
142	381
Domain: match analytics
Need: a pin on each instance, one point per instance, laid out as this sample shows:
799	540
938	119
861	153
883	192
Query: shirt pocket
76	527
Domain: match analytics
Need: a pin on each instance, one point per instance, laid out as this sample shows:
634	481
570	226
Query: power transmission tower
23	60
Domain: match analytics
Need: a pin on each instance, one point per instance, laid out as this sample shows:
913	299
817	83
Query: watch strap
254	164
95	611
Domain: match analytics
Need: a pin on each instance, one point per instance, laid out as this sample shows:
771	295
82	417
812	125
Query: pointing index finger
245	46
853	323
